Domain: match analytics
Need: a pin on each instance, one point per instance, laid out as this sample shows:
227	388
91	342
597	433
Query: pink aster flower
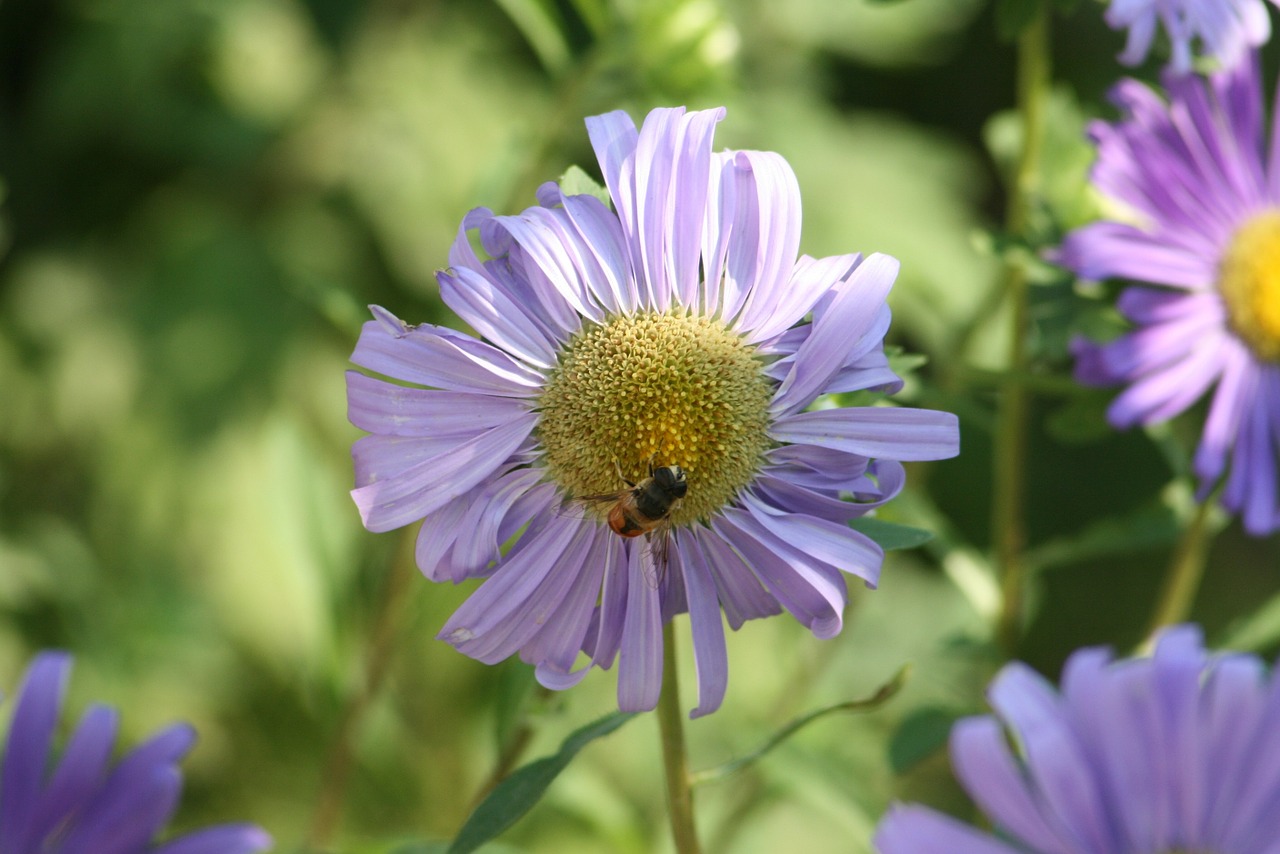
84	802
1225	29
677	331
1202	176
1179	752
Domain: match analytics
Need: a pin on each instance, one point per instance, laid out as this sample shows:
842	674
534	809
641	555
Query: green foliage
890	536
518	793
575	182
921	734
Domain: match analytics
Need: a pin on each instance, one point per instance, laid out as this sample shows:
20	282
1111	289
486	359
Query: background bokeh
200	197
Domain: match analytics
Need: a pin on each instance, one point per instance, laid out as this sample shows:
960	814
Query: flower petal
762	242
853	311
738	588
128	813
710	656
81	770
559	640
882	432
499	316
982	762
812	591
640	654
917	830
508	609
394	410
1057	765
391	496
223	839
1161	394
504	505
604	253
810	280
549	254
672	162
436	356
30	738
831	543
605	635
545	311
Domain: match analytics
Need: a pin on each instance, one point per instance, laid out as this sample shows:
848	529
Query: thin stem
1185	571
674	758
337	773
1007	521
511	751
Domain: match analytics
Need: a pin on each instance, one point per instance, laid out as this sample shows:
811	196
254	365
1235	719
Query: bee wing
592	506
658	551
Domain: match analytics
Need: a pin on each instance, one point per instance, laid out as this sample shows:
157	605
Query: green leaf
891	536
595	14
903	363
517	794
576	182
540	24
879	698
920	735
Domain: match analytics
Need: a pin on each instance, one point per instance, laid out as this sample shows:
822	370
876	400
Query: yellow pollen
1249	280
671	389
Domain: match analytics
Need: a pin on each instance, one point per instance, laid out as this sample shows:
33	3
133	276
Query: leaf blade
519	792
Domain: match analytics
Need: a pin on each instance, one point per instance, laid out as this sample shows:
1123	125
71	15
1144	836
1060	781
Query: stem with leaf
675	760
1007	521
1185	571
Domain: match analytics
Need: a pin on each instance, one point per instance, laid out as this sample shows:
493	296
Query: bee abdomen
624	524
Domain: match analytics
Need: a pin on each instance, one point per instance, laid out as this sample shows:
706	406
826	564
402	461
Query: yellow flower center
1249	280
671	389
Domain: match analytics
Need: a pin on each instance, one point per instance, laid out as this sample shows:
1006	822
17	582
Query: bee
645	508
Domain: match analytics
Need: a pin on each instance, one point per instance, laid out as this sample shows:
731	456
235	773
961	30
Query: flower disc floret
1250	284
662	388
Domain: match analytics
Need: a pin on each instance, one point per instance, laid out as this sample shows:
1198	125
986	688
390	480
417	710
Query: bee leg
617	467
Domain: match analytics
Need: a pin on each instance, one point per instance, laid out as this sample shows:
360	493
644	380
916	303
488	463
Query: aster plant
1166	754
85	803
1223	30
678	329
1200	174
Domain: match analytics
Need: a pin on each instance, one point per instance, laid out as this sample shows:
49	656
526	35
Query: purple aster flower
1179	752
678	331
85	803
1203	181
1226	29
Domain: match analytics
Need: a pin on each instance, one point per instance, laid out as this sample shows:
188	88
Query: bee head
671	479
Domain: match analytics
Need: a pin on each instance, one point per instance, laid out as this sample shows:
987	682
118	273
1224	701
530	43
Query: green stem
1007	522
378	657
511	751
674	757
1185	571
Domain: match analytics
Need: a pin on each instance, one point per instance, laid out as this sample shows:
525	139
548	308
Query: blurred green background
200	197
